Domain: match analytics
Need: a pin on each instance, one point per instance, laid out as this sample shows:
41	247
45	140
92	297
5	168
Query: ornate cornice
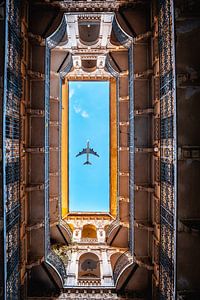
89	5
99	5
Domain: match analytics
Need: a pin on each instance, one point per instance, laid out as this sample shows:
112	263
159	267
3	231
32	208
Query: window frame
113	142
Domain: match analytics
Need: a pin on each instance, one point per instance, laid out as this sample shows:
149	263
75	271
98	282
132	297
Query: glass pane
89	135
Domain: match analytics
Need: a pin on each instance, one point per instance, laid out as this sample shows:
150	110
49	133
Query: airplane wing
93	152
82	152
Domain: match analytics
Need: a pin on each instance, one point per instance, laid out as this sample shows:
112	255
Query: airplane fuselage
88	152
88	147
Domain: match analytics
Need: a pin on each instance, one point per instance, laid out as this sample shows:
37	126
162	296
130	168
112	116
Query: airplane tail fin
87	163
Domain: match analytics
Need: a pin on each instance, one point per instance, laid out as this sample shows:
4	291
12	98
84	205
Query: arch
89	32
113	39
59	35
120	34
89	266
85	251
89	231
89	65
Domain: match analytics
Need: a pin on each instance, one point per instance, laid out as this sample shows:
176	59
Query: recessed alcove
89	266
89	231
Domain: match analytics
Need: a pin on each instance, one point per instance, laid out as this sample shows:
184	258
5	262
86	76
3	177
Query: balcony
89	281
123	262
89	241
117	234
112	230
66	230
57	264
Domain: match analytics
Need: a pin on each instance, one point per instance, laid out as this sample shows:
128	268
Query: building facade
147	245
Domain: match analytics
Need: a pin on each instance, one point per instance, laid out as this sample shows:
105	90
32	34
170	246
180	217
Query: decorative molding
56	262
168	142
55	38
123	262
110	5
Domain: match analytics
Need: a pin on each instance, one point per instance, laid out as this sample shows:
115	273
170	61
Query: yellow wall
64	149
89	231
113	149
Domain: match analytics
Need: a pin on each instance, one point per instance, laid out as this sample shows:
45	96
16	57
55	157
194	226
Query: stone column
106	270
71	274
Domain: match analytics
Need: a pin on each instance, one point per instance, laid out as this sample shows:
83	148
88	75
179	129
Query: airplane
87	151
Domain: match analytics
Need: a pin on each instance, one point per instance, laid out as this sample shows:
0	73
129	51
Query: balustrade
168	150
123	261
54	260
11	161
89	240
88	281
111	227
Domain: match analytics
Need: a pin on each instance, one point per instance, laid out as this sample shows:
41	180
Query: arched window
89	266
89	231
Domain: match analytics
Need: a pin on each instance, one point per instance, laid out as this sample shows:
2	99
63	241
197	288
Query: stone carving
56	261
112	5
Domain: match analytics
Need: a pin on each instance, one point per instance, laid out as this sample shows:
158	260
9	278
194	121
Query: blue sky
89	120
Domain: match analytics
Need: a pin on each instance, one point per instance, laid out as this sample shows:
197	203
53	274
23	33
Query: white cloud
71	93
84	114
77	109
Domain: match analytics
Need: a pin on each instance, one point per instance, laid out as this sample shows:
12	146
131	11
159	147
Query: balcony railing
56	262
88	281
89	240
64	224
111	227
121	264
